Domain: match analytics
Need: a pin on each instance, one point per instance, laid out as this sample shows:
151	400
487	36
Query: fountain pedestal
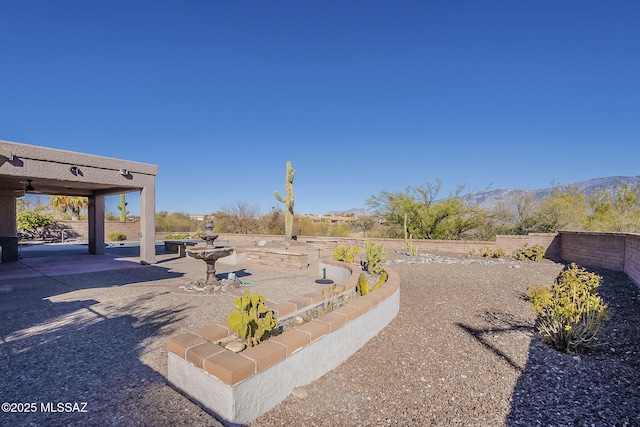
210	254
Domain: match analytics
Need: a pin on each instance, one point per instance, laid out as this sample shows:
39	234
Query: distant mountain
489	199
354	211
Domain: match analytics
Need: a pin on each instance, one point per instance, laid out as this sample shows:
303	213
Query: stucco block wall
614	251
632	257
81	228
605	250
549	241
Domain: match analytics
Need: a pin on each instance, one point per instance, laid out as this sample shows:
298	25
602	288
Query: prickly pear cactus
288	202
251	321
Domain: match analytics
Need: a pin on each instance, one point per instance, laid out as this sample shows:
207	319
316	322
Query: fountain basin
210	253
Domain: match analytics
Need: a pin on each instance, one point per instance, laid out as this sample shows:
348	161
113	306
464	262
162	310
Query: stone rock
300	393
262	243
236	346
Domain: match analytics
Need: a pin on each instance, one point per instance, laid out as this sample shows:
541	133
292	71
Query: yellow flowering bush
570	312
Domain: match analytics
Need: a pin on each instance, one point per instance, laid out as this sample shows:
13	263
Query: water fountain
210	254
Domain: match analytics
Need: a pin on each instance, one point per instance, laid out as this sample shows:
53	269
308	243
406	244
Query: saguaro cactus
122	207
288	202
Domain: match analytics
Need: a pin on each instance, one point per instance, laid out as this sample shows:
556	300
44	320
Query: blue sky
361	96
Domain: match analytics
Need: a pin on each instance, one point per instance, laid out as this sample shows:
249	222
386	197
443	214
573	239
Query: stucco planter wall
239	387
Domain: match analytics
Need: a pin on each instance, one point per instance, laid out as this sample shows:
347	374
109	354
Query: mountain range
489	199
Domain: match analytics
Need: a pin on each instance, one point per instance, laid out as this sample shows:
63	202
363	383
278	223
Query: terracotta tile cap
315	329
335	319
229	367
282	309
212	332
179	344
301	302
316	297
265	354
293	340
373	298
350	312
198	353
361	304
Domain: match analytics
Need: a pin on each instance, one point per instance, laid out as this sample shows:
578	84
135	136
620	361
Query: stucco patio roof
31	169
60	172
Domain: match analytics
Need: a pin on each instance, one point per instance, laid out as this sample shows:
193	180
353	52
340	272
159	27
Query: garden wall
614	251
549	241
129	228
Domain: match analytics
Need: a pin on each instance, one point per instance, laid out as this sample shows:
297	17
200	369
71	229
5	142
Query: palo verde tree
615	210
426	216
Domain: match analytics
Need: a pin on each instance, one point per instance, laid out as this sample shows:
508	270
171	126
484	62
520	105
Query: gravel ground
462	351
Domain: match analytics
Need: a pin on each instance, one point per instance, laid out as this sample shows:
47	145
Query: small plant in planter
345	253
363	283
333	298
376	255
251	321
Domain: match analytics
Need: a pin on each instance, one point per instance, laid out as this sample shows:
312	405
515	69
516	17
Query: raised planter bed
239	387
278	258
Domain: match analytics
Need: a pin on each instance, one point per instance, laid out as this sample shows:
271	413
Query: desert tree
427	216
242	217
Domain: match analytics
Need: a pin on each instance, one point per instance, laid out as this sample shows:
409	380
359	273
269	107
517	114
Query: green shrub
533	253
177	236
345	253
570	312
116	236
492	253
251	321
375	256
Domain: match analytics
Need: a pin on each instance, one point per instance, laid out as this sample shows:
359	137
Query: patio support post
148	223
96	224
8	229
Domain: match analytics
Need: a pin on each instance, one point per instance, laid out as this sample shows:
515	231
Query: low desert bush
116	236
531	253
570	312
492	253
345	253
